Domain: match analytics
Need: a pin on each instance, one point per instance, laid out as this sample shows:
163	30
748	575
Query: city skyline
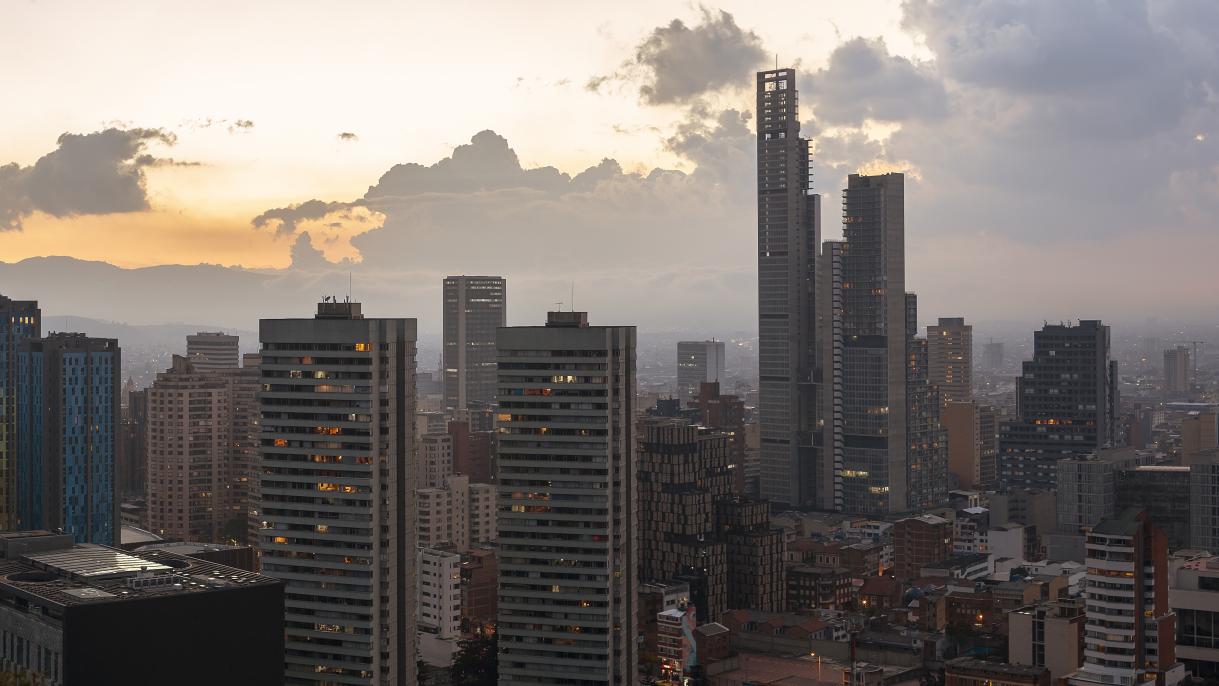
1005	168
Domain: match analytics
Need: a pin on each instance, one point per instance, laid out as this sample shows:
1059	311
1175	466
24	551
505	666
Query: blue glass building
19	320
67	432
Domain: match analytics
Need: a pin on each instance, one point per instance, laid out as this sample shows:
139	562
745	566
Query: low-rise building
968	671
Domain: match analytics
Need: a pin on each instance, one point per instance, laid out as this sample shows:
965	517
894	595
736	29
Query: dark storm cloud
677	63
94	173
863	81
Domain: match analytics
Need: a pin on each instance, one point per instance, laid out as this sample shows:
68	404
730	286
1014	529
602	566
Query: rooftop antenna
558	305
573	296
348	285
776	60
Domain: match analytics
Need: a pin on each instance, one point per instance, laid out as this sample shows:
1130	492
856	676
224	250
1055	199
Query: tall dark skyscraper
789	237
1066	404
19	320
882	416
68	416
338	404
474	307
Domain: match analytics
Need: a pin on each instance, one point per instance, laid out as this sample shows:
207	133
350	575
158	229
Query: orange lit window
281	443
362	347
280	539
327	487
503	417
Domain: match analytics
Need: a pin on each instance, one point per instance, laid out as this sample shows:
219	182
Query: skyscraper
338	407
1066	404
993	356
788	243
68	416
889	448
20	320
1177	372
950	359
567	573
698	362
474	307
212	350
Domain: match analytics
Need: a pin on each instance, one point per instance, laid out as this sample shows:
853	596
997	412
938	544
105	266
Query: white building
435	459
439	589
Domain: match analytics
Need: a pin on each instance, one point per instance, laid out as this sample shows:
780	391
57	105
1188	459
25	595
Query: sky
1061	157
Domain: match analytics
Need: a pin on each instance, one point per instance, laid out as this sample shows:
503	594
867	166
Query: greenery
474	664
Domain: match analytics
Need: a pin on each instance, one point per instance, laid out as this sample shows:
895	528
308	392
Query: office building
1130	629
1066	404
683	472
1047	634
68	416
950	359
920	541
566	502
244	417
435	459
474	307
789	235
726	413
1178	374
212	350
971	432
1087	486
892	448
756	551
1204	502
85	614
1162	491
993	356
20	320
698	362
1193	595
439	593
472	451
1199	433
337	406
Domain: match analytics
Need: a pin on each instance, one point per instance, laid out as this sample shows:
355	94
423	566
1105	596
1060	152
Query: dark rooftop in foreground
51	570
974	664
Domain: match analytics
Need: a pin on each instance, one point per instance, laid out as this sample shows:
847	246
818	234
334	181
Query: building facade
474	307
20	320
212	350
950	346
337	406
438	605
789	235
1178	374
567	525
1066	404
68	423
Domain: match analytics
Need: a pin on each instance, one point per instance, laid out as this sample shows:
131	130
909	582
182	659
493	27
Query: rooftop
974	664
50	570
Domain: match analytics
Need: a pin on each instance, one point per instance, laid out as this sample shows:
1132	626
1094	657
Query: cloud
676	64
863	81
348	137
94	173
285	219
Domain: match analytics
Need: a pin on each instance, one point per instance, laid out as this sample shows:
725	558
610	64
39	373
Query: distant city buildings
1177	371
68	416
209	351
567	524
337	405
993	356
698	362
474	307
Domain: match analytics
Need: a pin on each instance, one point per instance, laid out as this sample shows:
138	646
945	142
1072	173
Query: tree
474	663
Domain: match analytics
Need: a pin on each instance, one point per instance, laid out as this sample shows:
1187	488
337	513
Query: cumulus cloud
348	137
285	219
864	81
677	63
93	173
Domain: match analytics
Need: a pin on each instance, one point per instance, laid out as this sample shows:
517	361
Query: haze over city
1060	157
